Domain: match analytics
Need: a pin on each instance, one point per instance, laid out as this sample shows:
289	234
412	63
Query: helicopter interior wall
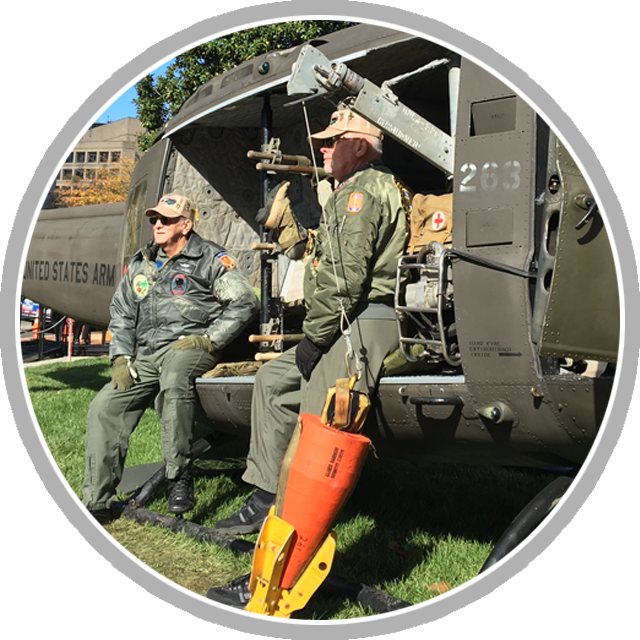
211	167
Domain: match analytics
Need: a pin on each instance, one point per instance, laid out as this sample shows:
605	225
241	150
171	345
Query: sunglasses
164	221
329	143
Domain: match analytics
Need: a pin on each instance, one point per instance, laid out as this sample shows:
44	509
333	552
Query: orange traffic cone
35	328
324	470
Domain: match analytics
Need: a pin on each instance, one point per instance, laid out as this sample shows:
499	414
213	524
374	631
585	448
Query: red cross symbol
438	221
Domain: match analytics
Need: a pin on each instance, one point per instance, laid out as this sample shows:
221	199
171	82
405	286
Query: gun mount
313	75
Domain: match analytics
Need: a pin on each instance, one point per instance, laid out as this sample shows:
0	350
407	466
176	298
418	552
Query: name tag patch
185	267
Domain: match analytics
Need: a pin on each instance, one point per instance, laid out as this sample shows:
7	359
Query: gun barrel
263	155
290	168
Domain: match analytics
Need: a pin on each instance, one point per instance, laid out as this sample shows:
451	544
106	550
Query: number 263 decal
490	177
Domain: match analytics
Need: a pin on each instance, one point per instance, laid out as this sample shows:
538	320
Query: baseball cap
174	205
343	121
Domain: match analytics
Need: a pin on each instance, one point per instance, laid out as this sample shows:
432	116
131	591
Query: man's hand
194	342
124	373
308	355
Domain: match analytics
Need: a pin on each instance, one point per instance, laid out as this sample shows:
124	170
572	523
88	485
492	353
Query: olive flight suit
199	291
354	261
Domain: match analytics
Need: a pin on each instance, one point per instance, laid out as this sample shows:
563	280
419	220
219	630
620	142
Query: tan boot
278	216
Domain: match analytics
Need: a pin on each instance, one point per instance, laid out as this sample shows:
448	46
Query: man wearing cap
180	302
352	269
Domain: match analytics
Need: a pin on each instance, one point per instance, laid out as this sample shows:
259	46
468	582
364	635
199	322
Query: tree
111	184
161	97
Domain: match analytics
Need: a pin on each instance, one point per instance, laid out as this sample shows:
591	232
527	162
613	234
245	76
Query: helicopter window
604	104
493	116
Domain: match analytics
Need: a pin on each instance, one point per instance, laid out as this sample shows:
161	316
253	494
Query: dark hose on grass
524	523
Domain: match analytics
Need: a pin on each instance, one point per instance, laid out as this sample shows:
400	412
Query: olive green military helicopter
508	330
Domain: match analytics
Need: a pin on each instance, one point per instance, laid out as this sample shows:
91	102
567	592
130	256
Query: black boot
181	495
250	516
235	594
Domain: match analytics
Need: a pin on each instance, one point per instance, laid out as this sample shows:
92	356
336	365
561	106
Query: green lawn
408	529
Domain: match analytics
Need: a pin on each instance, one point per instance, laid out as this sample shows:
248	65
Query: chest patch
140	285
354	204
179	284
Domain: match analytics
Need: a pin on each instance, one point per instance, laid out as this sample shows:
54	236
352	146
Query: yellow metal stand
272	549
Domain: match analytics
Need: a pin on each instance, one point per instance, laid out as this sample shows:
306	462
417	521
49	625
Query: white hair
375	142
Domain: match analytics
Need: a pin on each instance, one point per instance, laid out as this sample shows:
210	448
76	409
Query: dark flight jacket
200	291
356	254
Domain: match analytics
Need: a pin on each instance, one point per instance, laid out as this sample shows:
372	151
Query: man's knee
277	375
263	377
181	368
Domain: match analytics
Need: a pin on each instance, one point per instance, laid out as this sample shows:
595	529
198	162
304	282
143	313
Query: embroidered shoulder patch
354	204
226	260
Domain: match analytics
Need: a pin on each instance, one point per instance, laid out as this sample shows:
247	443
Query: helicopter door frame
147	183
575	249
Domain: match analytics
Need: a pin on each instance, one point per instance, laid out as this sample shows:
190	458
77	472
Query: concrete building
101	147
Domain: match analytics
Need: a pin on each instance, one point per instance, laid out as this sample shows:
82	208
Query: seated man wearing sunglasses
180	302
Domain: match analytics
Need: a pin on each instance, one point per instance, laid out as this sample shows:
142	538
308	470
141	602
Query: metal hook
350	354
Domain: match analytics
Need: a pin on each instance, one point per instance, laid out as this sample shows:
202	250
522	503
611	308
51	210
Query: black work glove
308	355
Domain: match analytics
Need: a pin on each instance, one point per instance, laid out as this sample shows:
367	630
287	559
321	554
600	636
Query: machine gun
277	162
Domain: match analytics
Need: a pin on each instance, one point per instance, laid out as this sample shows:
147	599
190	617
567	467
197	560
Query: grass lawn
411	530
